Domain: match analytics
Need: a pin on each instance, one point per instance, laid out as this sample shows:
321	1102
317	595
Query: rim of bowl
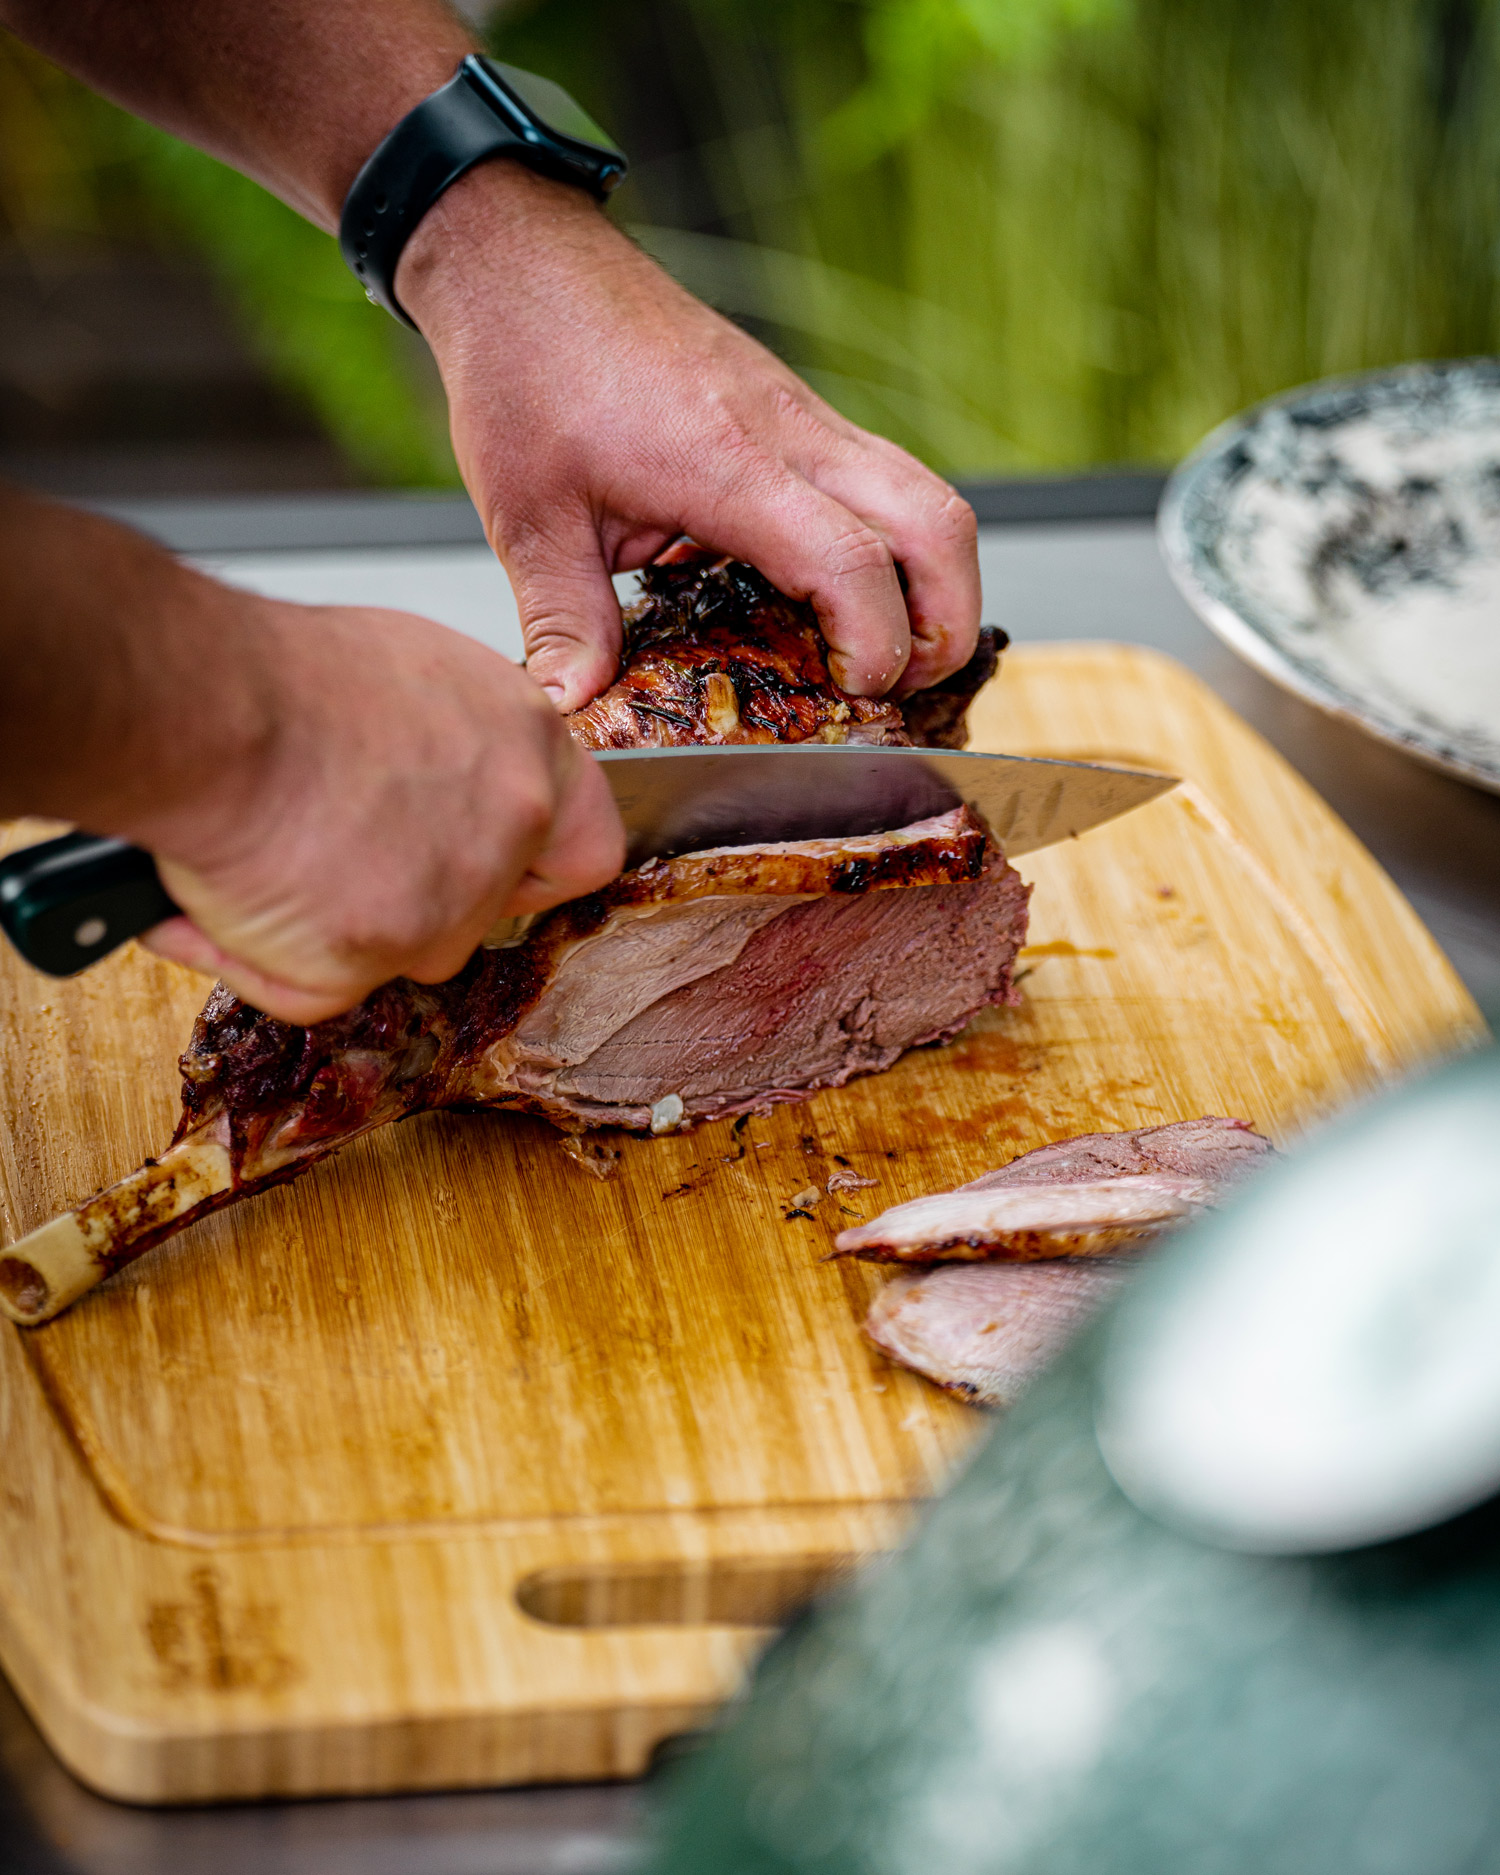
1250	640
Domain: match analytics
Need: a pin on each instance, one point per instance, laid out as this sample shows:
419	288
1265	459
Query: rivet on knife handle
68	902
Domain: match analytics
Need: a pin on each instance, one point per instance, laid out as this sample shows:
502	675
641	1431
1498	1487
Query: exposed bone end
58	1262
46	1271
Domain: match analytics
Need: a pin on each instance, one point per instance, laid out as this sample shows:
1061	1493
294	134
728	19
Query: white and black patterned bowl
1345	538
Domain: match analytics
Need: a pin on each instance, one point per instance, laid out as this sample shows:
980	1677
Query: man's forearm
334	795
130	682
296	95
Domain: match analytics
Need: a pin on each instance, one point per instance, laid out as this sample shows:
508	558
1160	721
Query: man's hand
335	795
599	411
417	788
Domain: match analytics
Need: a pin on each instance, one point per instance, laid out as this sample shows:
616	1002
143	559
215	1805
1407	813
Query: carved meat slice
985	1330
1218	1150
693	988
1023	1253
1087	1196
1029	1222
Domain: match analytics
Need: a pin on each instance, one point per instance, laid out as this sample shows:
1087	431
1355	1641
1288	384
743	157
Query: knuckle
394	929
549	626
791	406
727	440
742	465
528	810
440	961
786	403
953	521
553	647
857	551
548	638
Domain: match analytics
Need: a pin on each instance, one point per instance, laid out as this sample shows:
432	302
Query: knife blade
68	902
680	800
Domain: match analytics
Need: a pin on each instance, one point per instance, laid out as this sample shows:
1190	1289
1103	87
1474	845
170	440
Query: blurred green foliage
1032	234
1013	234
363	374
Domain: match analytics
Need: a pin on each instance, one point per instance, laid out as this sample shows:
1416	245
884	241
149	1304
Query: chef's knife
68	902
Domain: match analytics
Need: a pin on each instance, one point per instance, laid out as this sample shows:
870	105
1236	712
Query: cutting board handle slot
743	1592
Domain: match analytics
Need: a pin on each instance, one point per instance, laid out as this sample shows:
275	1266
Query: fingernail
555	695
870	683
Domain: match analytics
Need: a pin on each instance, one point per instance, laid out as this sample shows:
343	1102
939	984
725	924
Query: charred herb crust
702	622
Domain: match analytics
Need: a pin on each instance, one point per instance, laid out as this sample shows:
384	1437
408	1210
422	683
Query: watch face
551	105
1318	1367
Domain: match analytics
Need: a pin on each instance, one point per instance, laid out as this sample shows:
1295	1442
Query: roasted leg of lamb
1023	1252
690	989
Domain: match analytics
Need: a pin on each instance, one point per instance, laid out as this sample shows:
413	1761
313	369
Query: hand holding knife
70	901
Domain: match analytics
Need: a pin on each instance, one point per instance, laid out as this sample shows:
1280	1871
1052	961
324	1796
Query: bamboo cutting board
452	1464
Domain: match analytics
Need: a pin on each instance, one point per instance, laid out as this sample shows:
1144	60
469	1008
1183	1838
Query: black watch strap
481	112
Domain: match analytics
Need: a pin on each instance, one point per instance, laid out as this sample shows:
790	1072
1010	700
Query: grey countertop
1051	572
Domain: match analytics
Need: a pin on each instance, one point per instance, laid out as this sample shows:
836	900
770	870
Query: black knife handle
69	902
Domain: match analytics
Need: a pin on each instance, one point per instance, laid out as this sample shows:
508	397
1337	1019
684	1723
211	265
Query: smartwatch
486	109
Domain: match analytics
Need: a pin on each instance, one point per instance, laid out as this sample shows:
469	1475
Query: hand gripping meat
689	989
714	654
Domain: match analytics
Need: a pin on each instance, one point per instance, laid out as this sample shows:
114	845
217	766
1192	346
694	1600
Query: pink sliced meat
1088	1196
1211	1148
794	968
985	1330
1029	1223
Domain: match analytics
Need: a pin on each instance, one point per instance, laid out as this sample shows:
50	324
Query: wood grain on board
454	1464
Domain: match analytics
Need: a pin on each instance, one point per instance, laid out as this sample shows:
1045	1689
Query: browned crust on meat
1016	1246
946	850
938	717
713	654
